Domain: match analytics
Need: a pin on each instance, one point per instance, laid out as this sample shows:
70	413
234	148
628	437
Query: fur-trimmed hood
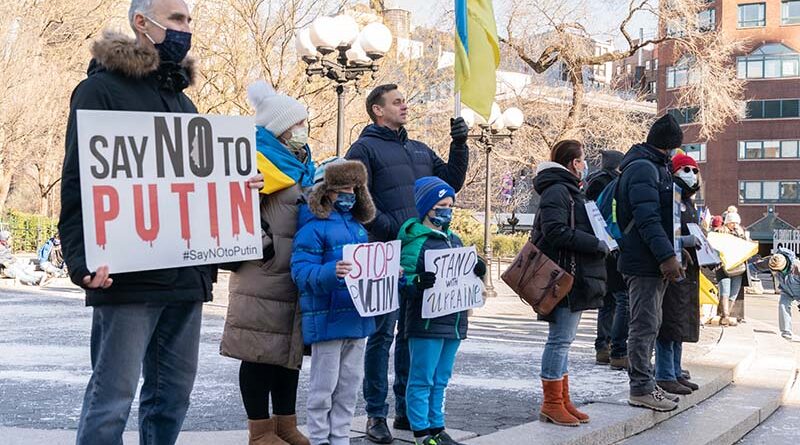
338	174
120	53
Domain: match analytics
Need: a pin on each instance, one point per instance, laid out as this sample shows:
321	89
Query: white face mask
299	138
689	178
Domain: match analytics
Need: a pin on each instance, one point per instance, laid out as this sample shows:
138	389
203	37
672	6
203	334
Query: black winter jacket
393	163
644	195
123	76
681	306
553	234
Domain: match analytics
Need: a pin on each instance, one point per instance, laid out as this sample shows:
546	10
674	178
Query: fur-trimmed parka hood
338	174
120	53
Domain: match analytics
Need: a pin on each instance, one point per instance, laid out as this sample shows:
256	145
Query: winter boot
733	321
602	356
724	320
553	406
619	364
262	432
582	417
286	428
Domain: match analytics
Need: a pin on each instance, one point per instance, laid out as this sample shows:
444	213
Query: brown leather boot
582	417
553	406
724	321
286	428
262	432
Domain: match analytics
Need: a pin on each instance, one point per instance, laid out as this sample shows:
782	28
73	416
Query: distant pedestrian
14	268
333	218
786	267
647	255
563	231
730	281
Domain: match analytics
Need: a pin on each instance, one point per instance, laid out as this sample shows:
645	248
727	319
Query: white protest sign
706	255
676	222
374	281
457	288
164	190
599	225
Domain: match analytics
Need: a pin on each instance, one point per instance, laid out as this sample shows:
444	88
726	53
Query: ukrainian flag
477	54
280	168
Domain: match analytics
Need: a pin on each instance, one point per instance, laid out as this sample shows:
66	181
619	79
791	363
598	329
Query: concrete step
400	436
613	420
725	418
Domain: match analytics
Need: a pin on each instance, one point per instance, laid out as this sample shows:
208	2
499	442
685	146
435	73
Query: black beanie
611	159
665	133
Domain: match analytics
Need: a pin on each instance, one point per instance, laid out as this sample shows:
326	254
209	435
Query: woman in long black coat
681	307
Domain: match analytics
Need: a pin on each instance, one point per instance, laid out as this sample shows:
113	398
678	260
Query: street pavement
44	365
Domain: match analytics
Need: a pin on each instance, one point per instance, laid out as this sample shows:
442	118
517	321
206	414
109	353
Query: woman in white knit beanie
262	327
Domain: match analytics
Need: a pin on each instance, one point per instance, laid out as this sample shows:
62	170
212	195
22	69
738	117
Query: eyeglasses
690	169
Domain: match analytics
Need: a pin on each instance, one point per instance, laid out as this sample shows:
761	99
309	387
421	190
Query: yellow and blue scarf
281	169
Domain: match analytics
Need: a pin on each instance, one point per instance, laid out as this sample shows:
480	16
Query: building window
696	151
769	149
683	115
752	15
773	60
647	64
790	12
628	69
652	87
773	109
707	20
751	192
655	64
680	74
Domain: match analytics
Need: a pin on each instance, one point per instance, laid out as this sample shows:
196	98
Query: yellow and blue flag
281	169
477	54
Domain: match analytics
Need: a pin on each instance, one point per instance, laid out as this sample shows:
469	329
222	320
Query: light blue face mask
345	202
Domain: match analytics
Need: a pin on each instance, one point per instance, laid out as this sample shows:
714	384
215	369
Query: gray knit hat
275	112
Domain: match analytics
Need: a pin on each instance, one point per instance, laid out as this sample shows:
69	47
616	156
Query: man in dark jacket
611	344
394	162
647	256
144	319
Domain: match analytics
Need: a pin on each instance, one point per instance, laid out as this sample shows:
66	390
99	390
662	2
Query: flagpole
457	107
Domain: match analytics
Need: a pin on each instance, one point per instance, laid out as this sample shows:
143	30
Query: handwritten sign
374	281
457	288
163	190
599	225
706	255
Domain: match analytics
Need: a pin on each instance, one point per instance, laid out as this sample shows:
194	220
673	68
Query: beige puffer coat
263	321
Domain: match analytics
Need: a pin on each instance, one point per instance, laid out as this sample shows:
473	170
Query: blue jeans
160	340
612	324
785	314
432	361
560	335
668	359
730	287
376	365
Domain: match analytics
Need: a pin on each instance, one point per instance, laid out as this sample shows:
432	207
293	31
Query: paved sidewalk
44	366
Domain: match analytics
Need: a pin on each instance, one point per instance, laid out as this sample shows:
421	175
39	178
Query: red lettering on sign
147	235
101	215
241	204
183	191
212	211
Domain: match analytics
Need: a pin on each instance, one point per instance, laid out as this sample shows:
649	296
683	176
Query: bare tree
546	32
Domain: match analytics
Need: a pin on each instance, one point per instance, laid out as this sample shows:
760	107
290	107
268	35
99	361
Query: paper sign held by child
457	287
374	281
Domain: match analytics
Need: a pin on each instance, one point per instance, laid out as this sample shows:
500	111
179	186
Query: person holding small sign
143	322
563	232
680	319
432	342
262	326
337	209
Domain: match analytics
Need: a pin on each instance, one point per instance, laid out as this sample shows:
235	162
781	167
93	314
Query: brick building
638	74
753	163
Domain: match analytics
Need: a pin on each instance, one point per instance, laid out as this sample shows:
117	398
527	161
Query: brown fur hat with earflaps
335	174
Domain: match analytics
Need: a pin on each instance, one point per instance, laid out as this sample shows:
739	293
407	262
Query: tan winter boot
724	321
582	417
553	406
286	428
732	321
262	432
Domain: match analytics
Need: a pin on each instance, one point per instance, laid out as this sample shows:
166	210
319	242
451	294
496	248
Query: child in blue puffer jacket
333	218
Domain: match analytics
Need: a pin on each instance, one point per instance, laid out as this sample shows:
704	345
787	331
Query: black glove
425	280
480	268
459	130
602	248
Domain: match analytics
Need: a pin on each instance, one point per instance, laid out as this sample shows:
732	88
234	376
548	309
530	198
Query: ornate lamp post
333	48
488	135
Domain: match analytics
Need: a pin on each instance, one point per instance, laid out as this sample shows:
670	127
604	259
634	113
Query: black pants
257	381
